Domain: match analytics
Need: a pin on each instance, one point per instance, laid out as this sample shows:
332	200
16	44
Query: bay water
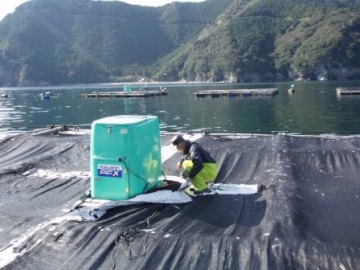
314	108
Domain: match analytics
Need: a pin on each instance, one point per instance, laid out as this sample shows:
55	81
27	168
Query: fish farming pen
348	91
238	92
121	94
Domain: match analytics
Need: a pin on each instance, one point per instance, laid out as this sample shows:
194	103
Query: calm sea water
314	108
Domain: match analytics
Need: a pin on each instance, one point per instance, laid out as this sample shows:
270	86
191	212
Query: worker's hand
179	165
185	174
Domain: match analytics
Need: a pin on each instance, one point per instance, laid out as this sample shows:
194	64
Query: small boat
292	89
45	95
4	95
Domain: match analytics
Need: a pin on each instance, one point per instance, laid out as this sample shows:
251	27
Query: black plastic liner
309	218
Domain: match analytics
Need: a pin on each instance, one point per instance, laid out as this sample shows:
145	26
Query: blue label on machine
109	170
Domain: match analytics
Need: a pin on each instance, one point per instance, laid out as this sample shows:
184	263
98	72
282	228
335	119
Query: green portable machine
125	156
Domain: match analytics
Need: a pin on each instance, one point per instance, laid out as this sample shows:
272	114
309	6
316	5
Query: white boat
291	90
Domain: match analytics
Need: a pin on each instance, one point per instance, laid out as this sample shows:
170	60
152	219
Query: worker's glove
183	185
185	174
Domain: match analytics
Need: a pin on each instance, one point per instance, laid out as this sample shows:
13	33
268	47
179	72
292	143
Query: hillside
274	40
83	41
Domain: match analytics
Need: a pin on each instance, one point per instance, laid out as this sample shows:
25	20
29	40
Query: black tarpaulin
309	218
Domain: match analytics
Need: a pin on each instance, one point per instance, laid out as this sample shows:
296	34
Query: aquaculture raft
238	92
120	94
348	91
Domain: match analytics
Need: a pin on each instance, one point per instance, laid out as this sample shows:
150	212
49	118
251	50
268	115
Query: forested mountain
85	41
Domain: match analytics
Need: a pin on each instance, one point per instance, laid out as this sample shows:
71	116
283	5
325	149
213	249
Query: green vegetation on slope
84	41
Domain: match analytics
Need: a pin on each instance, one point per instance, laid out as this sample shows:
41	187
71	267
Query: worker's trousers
204	177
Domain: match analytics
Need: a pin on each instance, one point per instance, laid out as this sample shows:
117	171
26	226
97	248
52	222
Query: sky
8	6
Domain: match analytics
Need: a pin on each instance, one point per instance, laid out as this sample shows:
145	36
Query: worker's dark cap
177	139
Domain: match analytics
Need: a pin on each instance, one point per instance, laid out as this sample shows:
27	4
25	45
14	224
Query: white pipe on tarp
53	130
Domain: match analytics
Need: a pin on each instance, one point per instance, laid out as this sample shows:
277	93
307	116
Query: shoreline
160	83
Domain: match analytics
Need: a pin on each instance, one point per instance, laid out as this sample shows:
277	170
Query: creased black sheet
309	218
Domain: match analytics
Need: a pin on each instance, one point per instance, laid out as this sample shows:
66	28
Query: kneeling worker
198	165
